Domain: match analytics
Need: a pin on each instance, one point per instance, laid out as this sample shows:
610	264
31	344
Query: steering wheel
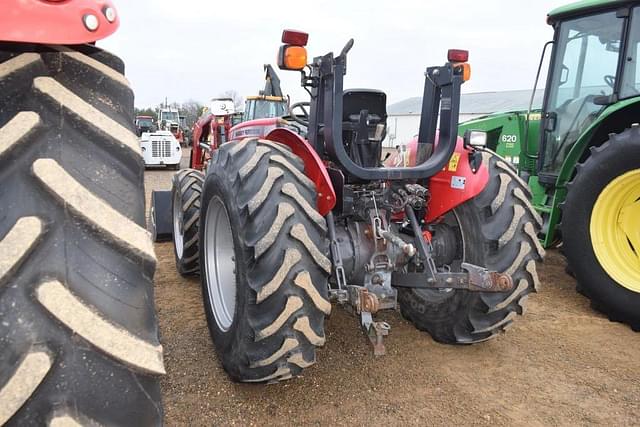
610	80
303	107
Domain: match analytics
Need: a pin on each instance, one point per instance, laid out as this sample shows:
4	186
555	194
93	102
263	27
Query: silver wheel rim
178	225
220	263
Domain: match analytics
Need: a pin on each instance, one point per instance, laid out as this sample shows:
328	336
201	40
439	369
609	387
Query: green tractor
580	154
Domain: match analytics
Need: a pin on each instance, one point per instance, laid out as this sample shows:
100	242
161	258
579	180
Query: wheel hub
615	229
220	269
178	225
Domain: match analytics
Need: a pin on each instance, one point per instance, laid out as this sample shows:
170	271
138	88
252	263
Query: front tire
600	223
78	332
497	230
265	266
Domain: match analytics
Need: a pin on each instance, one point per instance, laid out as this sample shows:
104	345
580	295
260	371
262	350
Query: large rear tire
185	206
78	332
497	230
265	265
600	227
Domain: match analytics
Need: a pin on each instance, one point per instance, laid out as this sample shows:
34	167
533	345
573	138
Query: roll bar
441	95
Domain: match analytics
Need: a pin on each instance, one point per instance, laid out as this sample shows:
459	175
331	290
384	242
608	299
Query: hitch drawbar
474	278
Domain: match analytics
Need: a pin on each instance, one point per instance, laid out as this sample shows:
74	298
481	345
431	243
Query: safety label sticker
453	162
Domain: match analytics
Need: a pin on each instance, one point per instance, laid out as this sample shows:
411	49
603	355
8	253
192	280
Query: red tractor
212	129
217	125
287	225
78	332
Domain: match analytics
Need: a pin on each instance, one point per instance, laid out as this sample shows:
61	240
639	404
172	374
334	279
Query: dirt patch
560	364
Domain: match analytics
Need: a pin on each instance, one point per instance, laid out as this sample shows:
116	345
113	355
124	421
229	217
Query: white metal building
403	118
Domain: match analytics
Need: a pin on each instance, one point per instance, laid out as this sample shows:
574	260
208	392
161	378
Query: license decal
458	182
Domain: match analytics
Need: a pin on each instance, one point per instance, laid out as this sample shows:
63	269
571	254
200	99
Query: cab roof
585	7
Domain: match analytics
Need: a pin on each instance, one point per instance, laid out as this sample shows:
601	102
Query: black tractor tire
497	230
185	206
280	250
617	156
78	332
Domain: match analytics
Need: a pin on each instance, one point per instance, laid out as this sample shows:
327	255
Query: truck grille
161	149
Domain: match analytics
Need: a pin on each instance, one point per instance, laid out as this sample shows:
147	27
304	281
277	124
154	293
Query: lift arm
272	82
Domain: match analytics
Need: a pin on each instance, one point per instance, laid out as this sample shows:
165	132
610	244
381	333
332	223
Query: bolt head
110	14
91	22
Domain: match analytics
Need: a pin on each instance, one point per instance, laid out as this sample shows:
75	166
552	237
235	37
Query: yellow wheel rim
615	229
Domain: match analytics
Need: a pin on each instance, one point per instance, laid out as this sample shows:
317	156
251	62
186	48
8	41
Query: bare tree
191	110
238	101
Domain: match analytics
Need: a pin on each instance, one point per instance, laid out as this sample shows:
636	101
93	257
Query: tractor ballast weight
57	22
288	225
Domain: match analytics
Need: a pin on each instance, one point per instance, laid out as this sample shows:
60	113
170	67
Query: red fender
455	184
314	168
57	21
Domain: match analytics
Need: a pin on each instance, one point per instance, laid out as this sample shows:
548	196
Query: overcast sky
196	49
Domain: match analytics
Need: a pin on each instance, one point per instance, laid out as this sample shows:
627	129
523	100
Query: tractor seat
364	124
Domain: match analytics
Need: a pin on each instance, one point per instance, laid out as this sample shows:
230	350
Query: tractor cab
593	65
169	120
144	124
168	117
270	102
264	107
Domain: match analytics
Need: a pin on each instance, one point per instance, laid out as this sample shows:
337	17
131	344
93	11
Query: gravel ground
561	364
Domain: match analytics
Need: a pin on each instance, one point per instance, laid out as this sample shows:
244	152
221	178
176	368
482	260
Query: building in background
403	118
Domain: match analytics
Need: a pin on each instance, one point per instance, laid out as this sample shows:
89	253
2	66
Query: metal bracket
339	294
376	331
366	304
475	278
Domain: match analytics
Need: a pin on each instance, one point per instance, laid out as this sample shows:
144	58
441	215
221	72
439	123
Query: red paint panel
314	168
197	156
257	128
445	189
445	186
54	22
